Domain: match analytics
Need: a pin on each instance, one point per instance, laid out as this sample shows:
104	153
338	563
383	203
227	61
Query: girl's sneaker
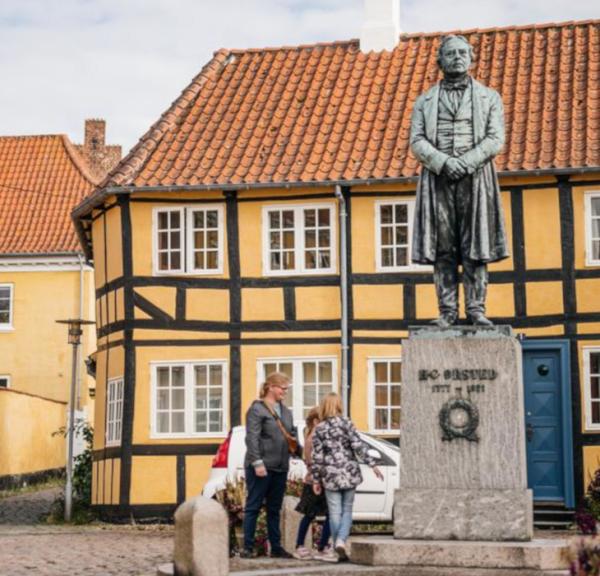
302	553
340	548
326	555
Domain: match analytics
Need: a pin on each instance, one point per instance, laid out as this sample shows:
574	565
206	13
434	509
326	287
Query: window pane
268	368
162	424
215	398
175	219
310	218
275	261
199	240
387	257
274	220
289	261
212	260
178	422
163	261
396	369
198	219
177	376
323	217
288	239
595	362
163	399
178	399
310	239
212	219
401	213
401	257
324	260
381	419
212	239
275	240
163	219
401	235
395	414
199	261
4	304
310	372
386	214
310	395
200	375
595	387
175	244
216	375
325	372
201	424
595	206
596	228
163	240
395	396
162	376
4	317
596	412
386	236
201	402
4	292
323	391
381	396
288	219
324	236
287	369
596	250
215	421
310	259
381	372
175	260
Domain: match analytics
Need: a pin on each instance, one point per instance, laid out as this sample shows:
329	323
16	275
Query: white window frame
187	241
299	247
115	388
371	393
587	377
297	361
8	326
189	398
7	378
588	197
379	267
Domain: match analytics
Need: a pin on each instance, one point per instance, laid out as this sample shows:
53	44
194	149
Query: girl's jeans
339	503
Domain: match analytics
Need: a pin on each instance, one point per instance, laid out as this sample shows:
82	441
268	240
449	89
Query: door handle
529	432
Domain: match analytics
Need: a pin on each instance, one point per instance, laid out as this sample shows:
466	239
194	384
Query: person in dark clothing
267	462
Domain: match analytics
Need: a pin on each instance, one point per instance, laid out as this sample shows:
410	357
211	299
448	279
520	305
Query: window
188	240
6	306
4	381
592	228
311	378
114	411
189	399
385	379
591	369
299	239
393	235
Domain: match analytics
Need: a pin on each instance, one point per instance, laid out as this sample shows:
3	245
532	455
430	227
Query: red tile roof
41	179
329	112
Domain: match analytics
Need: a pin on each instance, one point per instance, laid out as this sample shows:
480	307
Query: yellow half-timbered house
264	222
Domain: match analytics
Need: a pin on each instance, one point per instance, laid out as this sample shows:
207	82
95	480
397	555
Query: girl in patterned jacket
336	451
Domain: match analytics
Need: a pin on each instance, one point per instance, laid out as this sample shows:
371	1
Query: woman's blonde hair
330	406
274	379
310	424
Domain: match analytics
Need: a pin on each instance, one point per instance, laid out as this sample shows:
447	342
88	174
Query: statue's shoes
479	319
444	321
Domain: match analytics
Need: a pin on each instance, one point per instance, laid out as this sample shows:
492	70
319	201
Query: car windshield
387	443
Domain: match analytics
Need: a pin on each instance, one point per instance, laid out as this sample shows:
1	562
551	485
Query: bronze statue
457	128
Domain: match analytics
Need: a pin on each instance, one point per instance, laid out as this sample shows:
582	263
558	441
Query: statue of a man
457	129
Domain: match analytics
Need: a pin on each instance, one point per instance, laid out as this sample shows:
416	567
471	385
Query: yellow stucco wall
153	480
541	217
26	427
591	463
588	295
35	353
207	304
382	302
197	471
544	298
318	303
262	304
161	296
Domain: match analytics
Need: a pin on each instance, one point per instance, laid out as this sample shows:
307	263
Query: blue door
545	423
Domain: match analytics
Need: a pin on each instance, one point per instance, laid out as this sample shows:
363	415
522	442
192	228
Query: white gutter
343	295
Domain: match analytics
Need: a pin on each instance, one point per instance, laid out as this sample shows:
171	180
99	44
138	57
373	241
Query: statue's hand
455	169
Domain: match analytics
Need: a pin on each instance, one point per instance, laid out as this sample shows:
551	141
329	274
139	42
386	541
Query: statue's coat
488	237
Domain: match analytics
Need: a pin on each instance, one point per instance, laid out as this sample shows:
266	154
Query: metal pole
344	296
70	433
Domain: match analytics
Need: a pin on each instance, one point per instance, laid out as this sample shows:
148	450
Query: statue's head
454	55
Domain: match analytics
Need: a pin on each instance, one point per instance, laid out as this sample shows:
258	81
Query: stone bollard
290	520
201	538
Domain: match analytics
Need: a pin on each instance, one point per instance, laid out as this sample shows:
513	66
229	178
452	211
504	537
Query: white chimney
381	28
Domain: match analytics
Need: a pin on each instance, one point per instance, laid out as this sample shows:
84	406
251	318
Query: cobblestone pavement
27	508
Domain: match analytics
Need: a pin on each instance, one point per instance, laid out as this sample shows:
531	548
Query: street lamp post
75	332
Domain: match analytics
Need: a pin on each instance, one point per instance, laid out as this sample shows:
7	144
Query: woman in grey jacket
337	449
267	462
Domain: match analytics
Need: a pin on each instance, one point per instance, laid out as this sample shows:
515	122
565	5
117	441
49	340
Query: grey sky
126	60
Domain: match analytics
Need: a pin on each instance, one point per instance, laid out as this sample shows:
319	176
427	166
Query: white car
374	500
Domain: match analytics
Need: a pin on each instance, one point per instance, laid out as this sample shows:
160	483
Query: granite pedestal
463	474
